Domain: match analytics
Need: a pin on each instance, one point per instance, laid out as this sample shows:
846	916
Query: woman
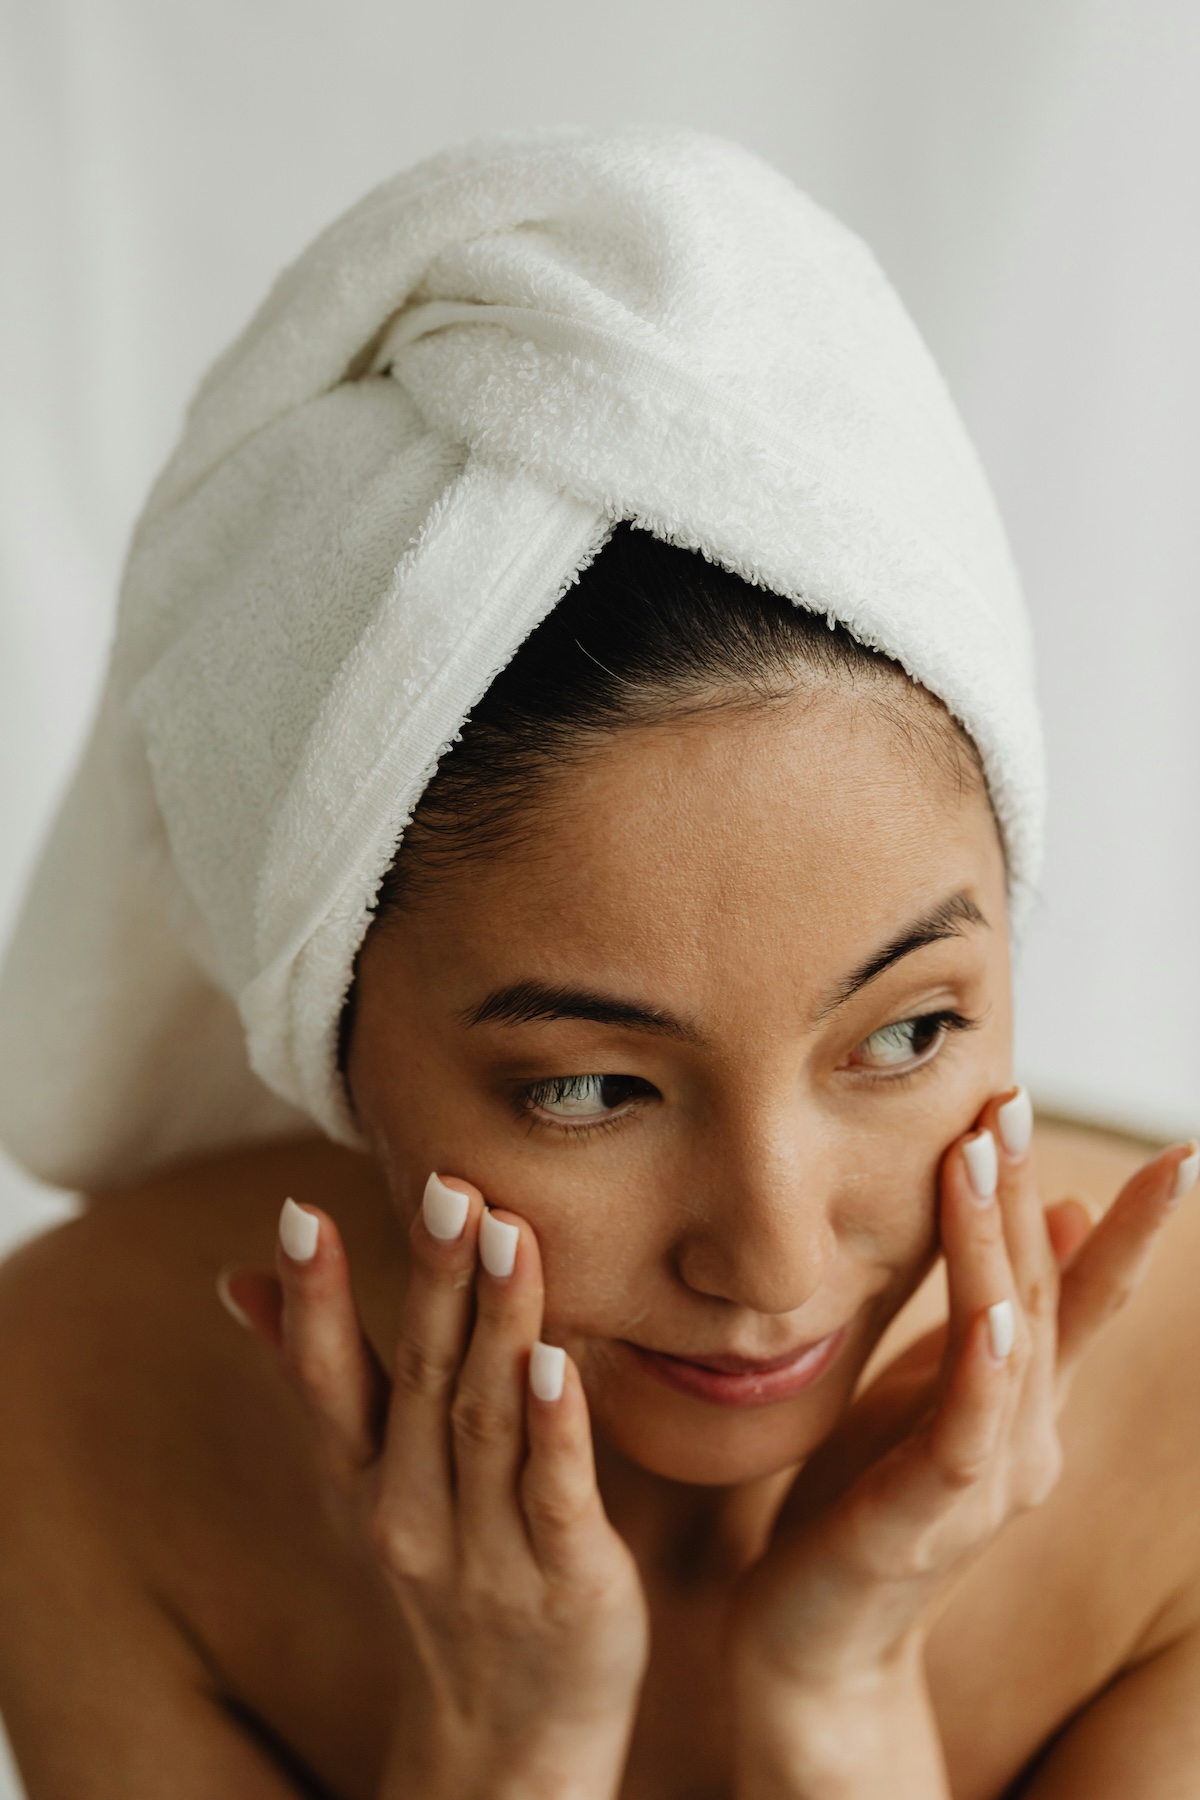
599	1431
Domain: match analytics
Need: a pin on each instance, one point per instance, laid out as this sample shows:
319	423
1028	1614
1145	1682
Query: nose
760	1234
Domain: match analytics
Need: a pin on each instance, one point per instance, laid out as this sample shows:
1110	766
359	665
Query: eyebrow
949	918
532	1002
525	1002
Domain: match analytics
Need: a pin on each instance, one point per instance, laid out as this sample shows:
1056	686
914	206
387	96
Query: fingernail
298	1232
1015	1119
1002	1328
497	1245
546	1365
227	1300
979	1154
1185	1174
445	1210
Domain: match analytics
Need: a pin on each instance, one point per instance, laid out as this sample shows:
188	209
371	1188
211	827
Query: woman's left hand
951	1442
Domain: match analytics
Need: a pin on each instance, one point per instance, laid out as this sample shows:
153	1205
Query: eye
582	1099
908	1043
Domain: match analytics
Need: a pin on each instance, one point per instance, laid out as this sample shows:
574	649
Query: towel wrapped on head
427	431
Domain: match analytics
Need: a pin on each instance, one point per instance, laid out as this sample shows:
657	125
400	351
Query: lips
742	1380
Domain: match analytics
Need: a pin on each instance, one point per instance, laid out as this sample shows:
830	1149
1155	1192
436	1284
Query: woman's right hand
524	1607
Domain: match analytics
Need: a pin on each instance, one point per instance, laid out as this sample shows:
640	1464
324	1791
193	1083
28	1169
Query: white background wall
1028	172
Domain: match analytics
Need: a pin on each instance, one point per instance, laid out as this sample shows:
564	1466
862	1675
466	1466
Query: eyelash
527	1099
944	1024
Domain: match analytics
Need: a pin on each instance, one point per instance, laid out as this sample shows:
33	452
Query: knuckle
1040	1298
402	1549
440	1268
1021	1354
557	1511
477	1420
313	1368
989	1226
419	1372
962	1467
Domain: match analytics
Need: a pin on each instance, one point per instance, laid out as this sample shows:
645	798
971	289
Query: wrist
556	1764
867	1734
560	1769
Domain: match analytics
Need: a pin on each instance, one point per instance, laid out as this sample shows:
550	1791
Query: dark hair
648	632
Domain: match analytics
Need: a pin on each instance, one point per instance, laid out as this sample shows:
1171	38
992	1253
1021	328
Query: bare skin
184	1551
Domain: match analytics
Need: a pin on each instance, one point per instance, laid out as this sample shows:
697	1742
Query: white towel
425	433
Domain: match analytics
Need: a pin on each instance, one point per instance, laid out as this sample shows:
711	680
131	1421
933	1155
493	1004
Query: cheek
886	1176
602	1241
603	1254
887	1218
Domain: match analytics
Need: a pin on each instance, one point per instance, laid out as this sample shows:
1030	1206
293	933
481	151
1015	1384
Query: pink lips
740	1381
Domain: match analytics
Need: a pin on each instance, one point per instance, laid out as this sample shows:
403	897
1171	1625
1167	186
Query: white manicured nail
546	1365
445	1210
497	1245
1015	1119
228	1302
980	1155
298	1232
1185	1174
1002	1328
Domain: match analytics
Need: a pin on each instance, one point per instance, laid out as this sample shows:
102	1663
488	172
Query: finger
1068	1225
1035	1271
1033	1455
1114	1258
914	1514
416	1499
978	1270
966	1430
255	1300
324	1348
559	1497
488	1414
893	1407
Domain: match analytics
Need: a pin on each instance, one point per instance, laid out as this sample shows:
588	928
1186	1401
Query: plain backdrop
1028	171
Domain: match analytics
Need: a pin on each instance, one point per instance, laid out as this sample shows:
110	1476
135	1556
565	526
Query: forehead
724	844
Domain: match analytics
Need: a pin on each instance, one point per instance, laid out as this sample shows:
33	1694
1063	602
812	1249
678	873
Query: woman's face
710	1034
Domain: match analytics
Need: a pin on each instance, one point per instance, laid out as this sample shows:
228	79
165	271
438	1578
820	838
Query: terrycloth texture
423	436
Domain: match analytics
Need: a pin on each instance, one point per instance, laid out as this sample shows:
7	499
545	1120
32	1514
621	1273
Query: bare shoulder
1133	1422
158	1487
1131	1426
109	1325
1138	1387
1103	1580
